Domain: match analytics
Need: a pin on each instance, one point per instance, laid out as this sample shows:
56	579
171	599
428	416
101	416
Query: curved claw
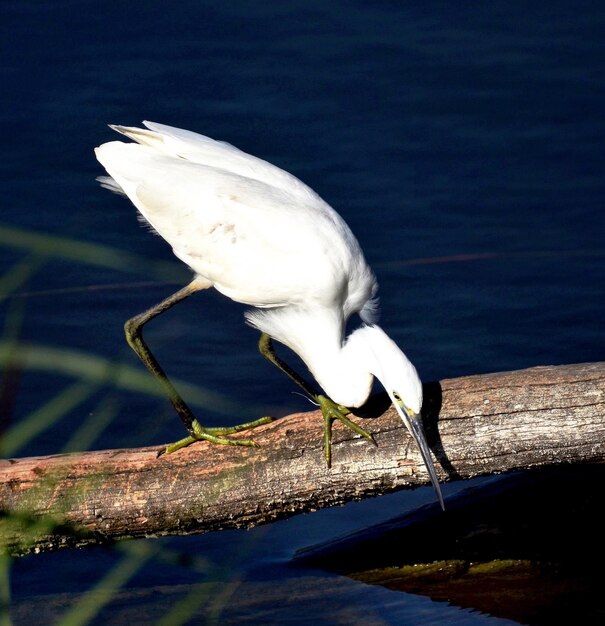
331	411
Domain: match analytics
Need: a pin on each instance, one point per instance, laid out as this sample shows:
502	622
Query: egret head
391	367
402	383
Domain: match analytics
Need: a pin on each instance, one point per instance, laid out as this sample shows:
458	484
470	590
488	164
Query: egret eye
397	397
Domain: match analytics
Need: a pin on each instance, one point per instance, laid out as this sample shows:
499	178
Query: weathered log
475	425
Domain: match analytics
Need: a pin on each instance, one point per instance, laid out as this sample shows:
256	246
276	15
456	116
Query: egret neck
346	370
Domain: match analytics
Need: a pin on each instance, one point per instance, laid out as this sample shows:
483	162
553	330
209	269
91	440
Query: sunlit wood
475	425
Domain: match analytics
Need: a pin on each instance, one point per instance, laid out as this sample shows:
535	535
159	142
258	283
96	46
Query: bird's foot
216	435
332	411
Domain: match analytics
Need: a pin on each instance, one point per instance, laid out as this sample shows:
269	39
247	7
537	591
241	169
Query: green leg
134	335
332	411
329	409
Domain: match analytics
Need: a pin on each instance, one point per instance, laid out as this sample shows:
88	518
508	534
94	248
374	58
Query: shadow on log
475	425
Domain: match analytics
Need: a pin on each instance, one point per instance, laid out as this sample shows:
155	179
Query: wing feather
196	148
251	239
261	236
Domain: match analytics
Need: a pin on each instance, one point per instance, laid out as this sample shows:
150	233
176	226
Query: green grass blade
53	246
5	593
90	429
85	366
45	416
89	605
19	274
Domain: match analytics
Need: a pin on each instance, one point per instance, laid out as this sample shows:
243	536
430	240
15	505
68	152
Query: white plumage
262	237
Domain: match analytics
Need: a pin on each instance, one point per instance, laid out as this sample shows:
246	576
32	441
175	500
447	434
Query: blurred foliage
87	375
39	246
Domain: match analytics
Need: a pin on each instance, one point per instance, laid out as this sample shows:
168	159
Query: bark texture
475	425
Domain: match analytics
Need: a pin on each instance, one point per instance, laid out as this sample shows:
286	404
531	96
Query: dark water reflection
506	547
463	144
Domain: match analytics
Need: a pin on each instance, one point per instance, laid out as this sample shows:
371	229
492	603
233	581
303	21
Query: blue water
463	144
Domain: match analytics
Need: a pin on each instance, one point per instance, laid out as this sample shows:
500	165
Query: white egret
262	237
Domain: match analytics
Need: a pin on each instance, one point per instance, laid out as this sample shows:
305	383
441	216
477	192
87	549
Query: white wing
264	238
197	148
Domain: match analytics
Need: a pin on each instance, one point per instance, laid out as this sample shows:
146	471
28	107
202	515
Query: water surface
464	146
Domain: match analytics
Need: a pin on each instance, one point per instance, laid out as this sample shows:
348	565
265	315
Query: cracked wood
475	425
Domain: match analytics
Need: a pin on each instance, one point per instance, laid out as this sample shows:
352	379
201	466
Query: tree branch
475	425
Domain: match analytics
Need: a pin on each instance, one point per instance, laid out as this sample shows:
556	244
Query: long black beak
414	425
